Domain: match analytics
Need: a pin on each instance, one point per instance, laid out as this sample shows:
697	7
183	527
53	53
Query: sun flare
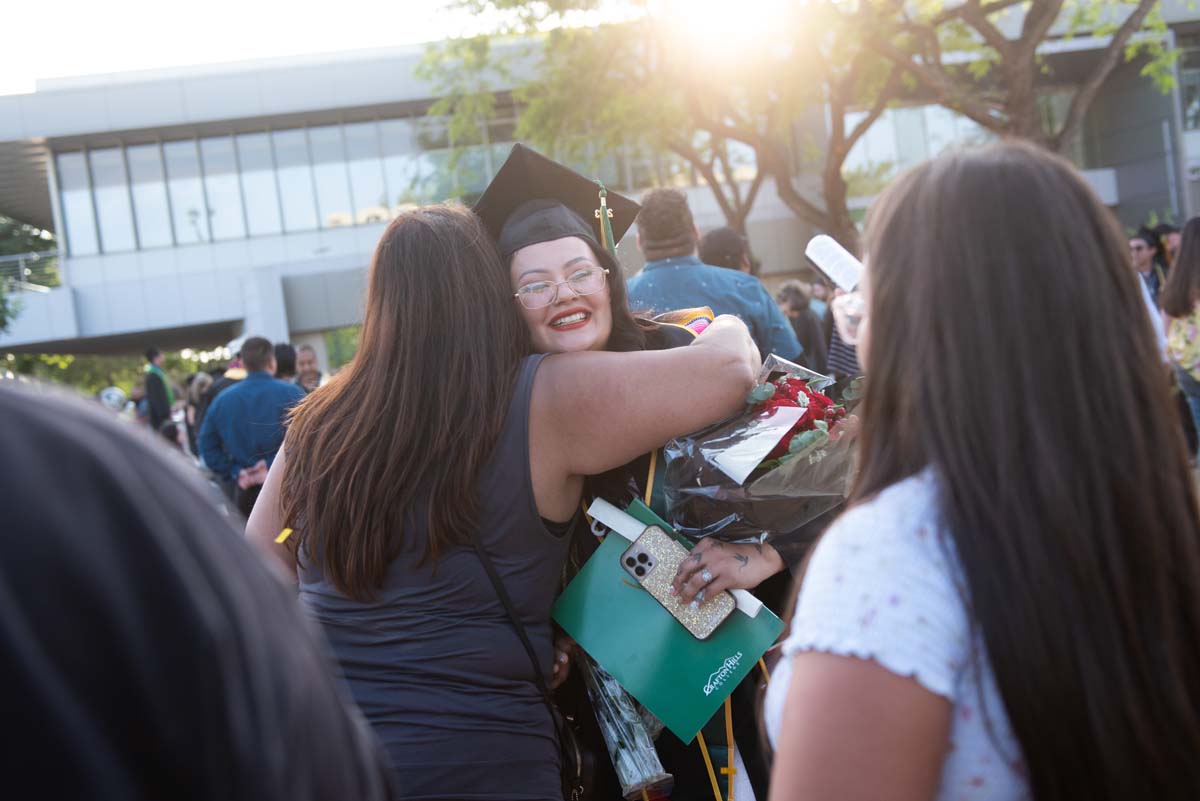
722	24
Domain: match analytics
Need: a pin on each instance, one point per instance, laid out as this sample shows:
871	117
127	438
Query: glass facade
76	192
148	186
262	183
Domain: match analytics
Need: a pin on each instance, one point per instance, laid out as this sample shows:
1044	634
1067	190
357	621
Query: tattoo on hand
744	560
696	557
758	546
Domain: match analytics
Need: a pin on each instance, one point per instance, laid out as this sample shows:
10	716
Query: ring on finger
700	597
707	575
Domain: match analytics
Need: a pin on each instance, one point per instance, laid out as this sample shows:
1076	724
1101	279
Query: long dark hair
1064	479
1182	290
416	414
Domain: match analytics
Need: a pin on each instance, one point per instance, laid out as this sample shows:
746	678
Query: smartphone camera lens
630	561
643	558
640	571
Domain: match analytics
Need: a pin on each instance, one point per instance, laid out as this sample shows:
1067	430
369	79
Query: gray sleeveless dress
434	662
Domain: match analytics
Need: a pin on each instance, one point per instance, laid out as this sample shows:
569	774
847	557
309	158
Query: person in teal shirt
675	278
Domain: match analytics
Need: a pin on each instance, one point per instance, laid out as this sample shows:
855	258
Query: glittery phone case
653	560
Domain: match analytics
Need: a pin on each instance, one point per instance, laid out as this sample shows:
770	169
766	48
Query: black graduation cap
534	199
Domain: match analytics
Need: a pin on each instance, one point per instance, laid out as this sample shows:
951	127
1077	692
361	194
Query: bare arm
595	411
265	523
854	730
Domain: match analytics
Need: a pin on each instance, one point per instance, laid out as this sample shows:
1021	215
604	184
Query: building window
367	187
258	184
110	188
186	190
148	185
401	165
330	176
222	192
295	180
75	191
1189	87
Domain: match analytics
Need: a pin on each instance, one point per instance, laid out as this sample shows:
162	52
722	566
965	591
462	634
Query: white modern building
192	206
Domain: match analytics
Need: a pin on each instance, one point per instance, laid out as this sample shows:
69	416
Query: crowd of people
1006	607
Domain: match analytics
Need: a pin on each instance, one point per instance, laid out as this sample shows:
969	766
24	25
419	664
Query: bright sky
85	37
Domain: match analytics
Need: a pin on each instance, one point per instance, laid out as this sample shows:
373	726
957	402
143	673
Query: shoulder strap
515	619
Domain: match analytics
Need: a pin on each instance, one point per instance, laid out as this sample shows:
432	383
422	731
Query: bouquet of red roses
765	472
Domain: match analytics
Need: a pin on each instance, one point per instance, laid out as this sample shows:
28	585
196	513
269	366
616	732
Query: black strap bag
577	763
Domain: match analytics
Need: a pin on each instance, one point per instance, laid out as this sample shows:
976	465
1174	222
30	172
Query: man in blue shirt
243	428
674	278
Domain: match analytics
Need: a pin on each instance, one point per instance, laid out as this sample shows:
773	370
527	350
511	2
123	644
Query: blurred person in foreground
675	278
244	426
149	653
480	458
1010	607
308	373
793	301
159	394
1180	301
725	247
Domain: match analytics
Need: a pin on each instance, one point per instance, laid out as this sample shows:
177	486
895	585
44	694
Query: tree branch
972	14
945	91
1091	87
885	96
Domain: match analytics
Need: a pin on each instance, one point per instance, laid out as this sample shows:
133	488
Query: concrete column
266	312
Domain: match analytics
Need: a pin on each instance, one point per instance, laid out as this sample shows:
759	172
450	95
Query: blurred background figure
725	247
1144	253
159	394
244	426
308	374
1169	237
195	395
285	362
793	300
1180	301
168	662
675	278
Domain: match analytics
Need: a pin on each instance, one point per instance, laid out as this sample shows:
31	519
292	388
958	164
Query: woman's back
434	661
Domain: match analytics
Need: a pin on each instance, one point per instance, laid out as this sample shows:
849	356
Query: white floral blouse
884	584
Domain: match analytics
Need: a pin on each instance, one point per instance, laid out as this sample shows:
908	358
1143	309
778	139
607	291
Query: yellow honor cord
650	477
729	771
766	673
712	774
283	535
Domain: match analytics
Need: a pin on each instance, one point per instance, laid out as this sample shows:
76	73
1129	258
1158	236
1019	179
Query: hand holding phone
653	560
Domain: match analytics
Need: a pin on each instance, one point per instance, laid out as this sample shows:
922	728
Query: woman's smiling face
573	322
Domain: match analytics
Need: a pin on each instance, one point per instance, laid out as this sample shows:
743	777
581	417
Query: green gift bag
679	678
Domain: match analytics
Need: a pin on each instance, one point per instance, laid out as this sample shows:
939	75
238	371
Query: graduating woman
431	486
556	231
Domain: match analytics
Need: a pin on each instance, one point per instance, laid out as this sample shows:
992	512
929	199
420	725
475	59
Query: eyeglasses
541	294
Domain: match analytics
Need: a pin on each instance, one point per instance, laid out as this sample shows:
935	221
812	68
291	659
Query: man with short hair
674	278
244	426
1143	251
158	389
308	373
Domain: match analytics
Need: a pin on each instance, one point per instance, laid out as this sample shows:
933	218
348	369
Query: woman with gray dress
440	433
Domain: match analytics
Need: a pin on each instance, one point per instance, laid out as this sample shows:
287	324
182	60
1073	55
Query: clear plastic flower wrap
765	472
630	745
